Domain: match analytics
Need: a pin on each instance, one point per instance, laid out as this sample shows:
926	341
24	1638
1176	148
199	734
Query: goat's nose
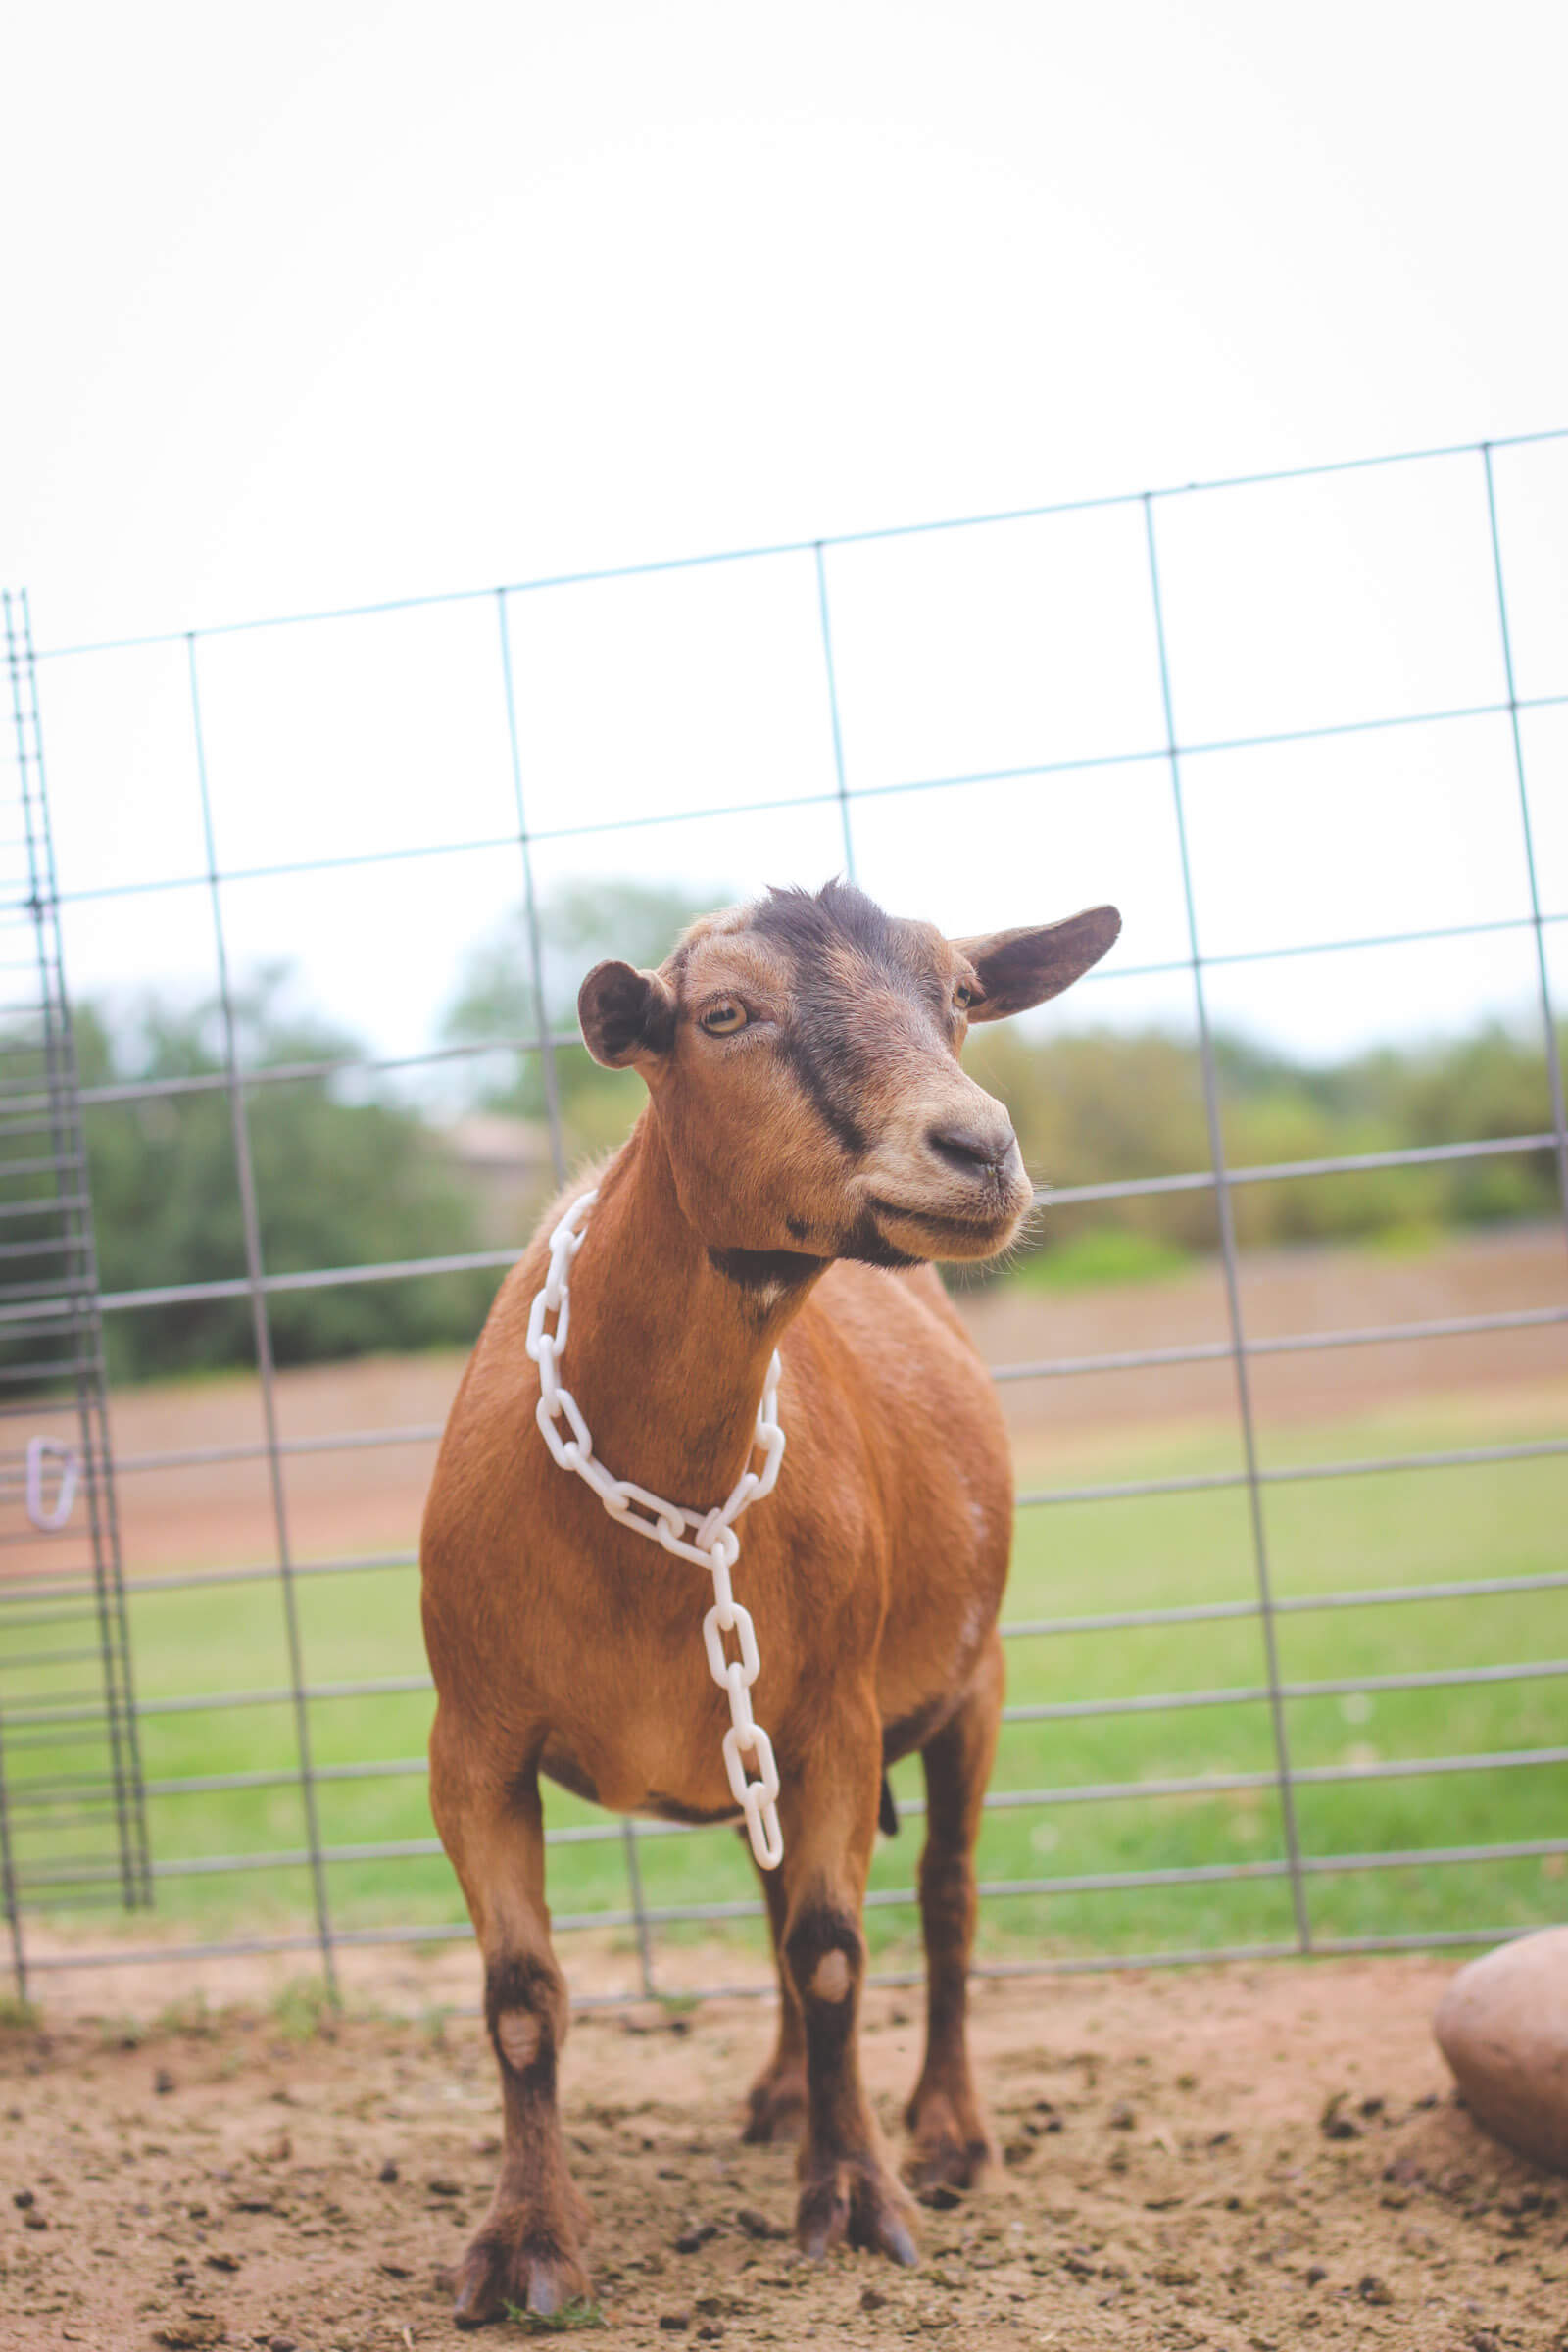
972	1151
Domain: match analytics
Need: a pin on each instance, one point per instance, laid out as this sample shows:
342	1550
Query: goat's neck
667	1357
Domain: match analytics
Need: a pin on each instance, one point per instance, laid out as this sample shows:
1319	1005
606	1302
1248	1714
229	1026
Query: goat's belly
670	1809
616	1791
910	1732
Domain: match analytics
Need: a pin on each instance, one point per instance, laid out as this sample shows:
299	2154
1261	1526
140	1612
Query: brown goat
809	1144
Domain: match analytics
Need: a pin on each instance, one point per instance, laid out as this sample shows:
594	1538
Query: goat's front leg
953	2141
527	2252
829	1812
776	2100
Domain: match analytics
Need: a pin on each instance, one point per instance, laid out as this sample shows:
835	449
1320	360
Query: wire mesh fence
61	1595
56	1481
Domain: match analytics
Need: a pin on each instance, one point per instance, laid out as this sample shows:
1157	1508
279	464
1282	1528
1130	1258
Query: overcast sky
314	305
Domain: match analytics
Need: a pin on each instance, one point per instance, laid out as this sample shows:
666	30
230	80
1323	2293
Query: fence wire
35	1315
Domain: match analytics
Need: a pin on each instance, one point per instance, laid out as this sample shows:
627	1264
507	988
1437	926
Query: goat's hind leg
953	2141
527	2252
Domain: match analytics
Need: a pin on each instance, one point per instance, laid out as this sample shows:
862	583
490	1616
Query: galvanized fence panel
54	1487
41	1597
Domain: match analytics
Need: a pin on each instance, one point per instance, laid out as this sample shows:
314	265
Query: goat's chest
647	1735
878	1560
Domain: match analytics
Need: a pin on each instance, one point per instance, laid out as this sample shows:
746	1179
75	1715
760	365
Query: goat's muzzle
963	1200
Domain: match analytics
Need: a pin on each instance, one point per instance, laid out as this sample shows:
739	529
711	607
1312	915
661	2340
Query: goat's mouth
946	1235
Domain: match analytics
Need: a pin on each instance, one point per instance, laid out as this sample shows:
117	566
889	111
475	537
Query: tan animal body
808	1144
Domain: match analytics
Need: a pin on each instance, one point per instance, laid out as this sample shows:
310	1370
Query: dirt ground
1248	2159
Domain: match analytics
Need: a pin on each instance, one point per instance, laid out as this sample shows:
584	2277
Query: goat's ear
1020	968
626	1016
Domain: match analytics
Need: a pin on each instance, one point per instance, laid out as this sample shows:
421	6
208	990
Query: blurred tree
1103	1105
339	1182
581	924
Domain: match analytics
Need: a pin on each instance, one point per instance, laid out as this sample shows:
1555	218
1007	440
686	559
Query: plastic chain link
713	1543
51	1516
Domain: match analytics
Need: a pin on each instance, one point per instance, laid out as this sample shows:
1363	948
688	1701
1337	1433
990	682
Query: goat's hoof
952	2146
775	2108
858	2205
897	2244
530	2271
944	2166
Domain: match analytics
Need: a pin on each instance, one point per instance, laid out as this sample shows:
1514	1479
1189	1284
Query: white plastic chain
712	1545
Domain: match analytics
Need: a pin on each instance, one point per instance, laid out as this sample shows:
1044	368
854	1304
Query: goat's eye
723	1020
962	996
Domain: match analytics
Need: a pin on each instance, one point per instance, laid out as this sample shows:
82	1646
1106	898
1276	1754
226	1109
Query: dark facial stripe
830	1047
805	922
809	1053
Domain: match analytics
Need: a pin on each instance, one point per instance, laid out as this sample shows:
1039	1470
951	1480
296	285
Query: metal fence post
255	1276
9	1895
536	959
833	707
643	1925
1560	1113
61	1311
1233	1292
82	1286
558	1156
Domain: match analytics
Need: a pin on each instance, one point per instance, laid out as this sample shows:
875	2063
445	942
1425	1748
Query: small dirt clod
195	2333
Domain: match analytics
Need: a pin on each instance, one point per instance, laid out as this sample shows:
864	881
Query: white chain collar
713	1544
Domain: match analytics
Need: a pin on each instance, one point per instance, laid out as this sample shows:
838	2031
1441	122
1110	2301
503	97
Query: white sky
318	304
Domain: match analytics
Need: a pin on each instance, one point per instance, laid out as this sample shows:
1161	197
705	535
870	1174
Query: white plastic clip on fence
714	1544
40	1450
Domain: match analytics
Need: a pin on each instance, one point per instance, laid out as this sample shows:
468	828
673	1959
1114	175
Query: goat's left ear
1020	968
626	1016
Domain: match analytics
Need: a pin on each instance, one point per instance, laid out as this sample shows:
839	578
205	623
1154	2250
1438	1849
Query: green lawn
1361	1533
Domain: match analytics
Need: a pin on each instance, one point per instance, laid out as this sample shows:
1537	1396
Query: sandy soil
1245	2159
232	2184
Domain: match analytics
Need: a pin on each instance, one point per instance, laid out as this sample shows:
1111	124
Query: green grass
1099	1255
566	2322
1371	1531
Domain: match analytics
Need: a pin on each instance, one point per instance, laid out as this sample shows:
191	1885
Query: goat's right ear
626	1016
1020	968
